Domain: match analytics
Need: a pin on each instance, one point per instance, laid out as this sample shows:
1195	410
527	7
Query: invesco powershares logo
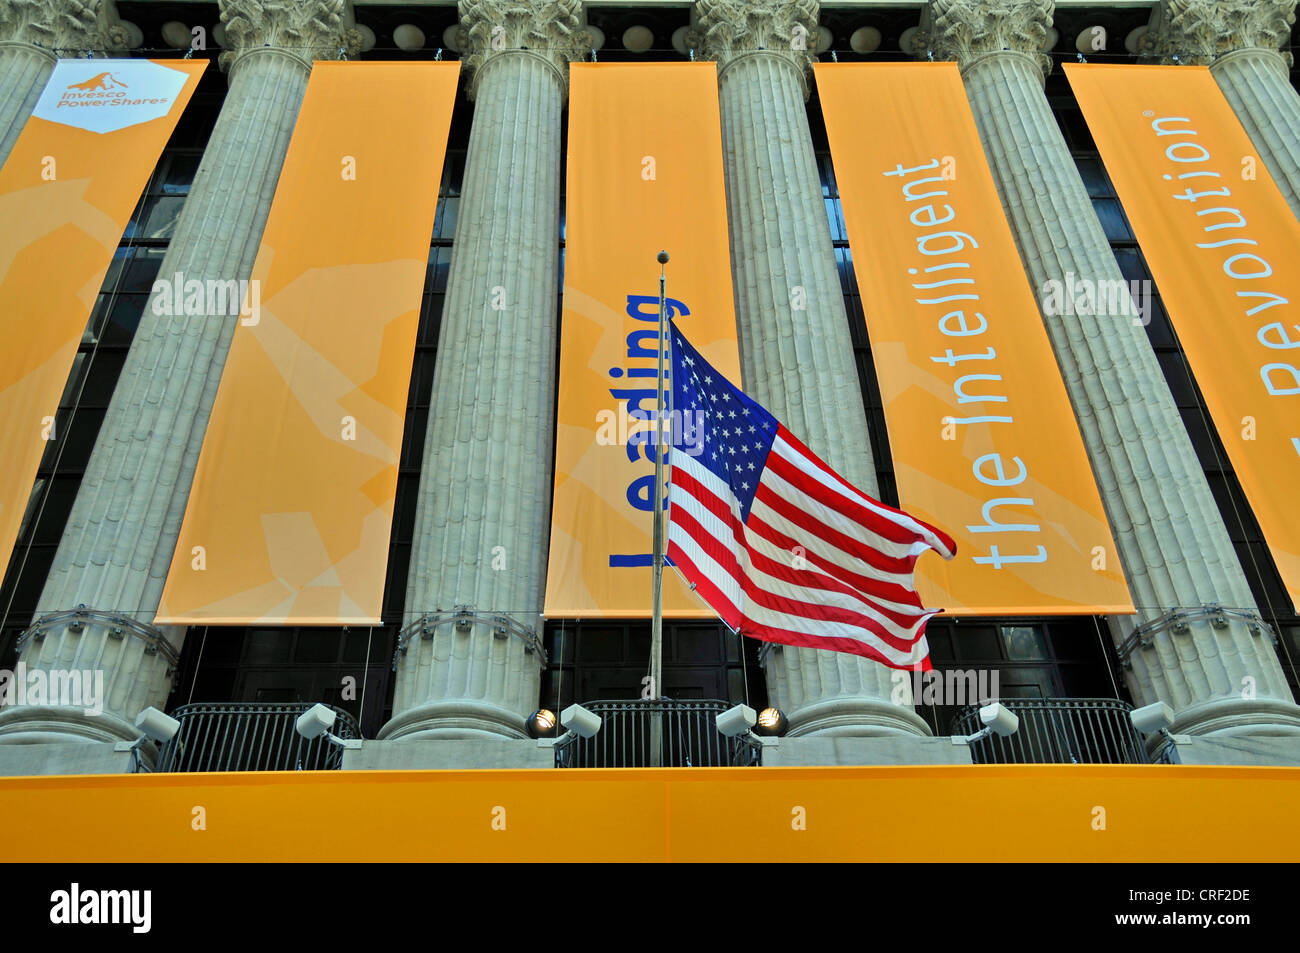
77	906
58	688
107	95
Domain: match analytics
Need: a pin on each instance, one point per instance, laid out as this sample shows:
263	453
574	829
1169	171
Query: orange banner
644	174
984	441
1222	245
1033	813
292	503
72	180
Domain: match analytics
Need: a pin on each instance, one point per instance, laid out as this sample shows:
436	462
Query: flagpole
657	585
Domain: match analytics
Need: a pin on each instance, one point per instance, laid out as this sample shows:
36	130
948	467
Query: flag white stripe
797	459
780	620
847	525
722	534
827	551
727	584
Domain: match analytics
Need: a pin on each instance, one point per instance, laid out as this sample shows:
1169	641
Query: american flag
775	541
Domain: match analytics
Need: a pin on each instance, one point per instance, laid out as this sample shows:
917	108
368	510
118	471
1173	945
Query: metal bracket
766	649
1179	620
119	626
463	618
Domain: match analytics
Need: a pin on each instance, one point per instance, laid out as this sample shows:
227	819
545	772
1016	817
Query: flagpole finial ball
663	258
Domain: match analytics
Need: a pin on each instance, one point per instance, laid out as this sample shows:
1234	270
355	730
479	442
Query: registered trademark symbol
1148	112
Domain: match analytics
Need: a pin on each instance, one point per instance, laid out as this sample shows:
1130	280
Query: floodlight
315	721
541	723
156	725
1152	719
996	719
772	723
580	721
736	721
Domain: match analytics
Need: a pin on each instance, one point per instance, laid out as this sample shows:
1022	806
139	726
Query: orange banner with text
1224	250
644	174
982	434
66	194
291	508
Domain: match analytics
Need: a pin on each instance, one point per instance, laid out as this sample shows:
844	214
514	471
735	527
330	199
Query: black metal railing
1059	731
251	737
688	730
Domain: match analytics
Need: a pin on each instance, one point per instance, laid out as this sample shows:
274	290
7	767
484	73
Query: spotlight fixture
996	719
176	34
1091	40
317	721
156	725
541	724
408	37
1152	719
772	723
679	39
1133	41
736	721
153	725
865	39
638	39
135	36
579	721
1155	719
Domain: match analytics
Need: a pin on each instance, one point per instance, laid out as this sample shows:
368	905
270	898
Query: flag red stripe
940	536
805	640
807	521
779	602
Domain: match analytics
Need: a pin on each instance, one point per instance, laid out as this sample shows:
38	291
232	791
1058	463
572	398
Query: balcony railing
251	737
1059	731
688	730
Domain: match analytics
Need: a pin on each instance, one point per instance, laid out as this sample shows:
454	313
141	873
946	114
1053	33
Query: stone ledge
813	751
73	757
1238	750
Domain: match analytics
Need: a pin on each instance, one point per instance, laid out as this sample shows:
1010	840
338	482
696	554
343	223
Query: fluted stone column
1219	674
796	353
484	506
1243	42
118	544
33	34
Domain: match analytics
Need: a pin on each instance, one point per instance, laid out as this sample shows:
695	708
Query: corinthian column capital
62	25
970	30
1198	32
307	30
553	30
728	30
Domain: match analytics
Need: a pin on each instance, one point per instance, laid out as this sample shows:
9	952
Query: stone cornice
969	30
307	30
727	30
1198	32
62	26
553	30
